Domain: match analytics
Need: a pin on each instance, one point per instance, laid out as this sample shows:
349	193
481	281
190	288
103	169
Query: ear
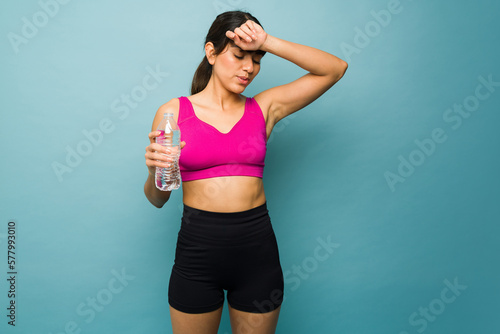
210	52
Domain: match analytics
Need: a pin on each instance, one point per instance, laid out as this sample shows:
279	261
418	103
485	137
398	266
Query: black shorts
232	251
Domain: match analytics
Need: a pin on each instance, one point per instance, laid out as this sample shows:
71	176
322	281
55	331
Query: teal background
325	173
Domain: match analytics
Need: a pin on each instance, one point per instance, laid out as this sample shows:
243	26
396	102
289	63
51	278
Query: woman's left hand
249	36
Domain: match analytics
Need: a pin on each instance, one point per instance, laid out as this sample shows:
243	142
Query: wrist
268	43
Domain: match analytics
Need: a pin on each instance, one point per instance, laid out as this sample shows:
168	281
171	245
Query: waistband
227	215
209	227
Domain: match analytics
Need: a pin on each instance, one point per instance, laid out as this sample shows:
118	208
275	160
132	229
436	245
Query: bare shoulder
264	100
171	106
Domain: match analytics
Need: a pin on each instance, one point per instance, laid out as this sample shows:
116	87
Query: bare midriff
224	193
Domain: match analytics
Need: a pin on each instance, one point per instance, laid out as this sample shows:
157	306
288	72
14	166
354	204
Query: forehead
234	46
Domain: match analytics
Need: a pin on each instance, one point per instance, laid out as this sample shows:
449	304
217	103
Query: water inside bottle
168	178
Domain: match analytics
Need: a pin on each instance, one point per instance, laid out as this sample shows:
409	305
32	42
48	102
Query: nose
248	64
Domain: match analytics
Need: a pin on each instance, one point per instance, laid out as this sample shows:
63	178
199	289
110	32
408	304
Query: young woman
226	240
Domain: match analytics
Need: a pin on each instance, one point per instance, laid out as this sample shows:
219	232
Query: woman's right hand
156	154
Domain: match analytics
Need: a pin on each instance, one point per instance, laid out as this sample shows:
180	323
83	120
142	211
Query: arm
153	153
155	196
324	70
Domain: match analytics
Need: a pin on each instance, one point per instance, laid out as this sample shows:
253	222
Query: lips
243	80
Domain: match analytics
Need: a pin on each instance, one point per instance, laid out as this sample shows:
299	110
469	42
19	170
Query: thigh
193	296
253	323
201	323
257	284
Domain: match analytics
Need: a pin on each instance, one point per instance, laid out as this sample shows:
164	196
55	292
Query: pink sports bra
211	153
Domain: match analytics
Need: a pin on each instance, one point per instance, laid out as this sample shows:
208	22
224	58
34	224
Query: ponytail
201	76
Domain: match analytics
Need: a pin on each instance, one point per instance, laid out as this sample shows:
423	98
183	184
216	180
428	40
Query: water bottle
167	179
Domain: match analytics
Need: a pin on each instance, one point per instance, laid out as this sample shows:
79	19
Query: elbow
342	68
153	202
345	65
337	72
158	205
157	200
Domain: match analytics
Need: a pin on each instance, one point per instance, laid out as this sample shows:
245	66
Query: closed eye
241	57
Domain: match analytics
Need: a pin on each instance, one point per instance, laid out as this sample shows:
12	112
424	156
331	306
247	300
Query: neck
217	95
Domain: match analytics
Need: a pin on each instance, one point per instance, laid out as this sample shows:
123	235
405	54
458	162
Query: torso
225	193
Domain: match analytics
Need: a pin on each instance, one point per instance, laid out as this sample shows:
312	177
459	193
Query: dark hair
217	35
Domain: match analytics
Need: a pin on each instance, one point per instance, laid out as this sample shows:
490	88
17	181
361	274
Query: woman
226	240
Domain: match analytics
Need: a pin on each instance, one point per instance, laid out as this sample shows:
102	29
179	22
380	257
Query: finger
235	38
183	143
162	164
155	147
256	28
242	34
156	163
230	34
154	134
248	30
157	157
251	24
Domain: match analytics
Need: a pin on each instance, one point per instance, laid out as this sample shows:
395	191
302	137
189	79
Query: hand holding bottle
158	155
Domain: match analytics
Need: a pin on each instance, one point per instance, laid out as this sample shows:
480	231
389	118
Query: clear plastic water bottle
167	179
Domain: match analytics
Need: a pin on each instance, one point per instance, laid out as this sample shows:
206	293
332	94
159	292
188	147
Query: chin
239	89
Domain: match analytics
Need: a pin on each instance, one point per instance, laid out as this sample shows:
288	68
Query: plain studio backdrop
383	193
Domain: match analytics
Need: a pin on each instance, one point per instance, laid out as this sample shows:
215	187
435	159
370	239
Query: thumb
183	143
